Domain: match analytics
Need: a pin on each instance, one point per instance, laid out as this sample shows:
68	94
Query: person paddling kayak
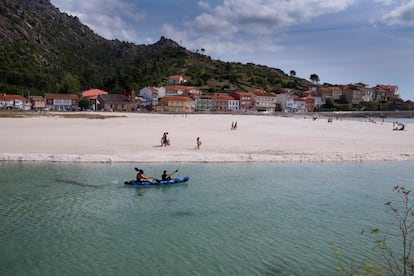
143	178
166	176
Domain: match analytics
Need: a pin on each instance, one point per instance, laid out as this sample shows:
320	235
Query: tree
402	262
314	78
329	104
84	104
292	73
69	84
399	263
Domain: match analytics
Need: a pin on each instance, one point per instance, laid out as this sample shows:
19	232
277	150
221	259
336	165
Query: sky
342	41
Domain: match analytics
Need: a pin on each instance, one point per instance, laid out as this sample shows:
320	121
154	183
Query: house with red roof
176	104
225	102
181	90
115	102
245	100
264	101
92	96
61	102
176	79
11	101
37	102
386	92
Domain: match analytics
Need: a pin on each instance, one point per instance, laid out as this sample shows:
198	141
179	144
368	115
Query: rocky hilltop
45	50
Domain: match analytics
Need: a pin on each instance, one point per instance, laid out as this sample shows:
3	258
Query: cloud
402	15
262	16
248	26
226	46
109	18
204	5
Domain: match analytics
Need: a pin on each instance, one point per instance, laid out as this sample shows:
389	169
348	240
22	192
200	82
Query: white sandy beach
136	138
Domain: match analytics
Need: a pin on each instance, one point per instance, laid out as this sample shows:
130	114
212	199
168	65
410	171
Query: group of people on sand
165	141
398	126
234	125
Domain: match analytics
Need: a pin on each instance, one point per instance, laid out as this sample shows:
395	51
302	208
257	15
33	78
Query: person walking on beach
165	141
198	143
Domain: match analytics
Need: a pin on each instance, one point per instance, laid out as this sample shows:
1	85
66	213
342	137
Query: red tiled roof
93	93
264	94
62	96
175	77
37	98
10	97
223	97
242	93
178	87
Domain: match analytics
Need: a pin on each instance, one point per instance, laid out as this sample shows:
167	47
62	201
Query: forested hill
44	50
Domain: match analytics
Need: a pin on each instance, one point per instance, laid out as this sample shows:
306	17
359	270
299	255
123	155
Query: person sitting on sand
399	126
166	176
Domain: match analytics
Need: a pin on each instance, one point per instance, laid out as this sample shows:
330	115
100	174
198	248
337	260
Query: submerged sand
135	137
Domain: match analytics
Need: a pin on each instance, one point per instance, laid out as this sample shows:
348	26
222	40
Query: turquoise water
230	219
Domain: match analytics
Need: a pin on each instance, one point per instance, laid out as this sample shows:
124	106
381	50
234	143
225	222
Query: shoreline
136	137
39	158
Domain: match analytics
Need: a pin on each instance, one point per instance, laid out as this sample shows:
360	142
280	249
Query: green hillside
44	50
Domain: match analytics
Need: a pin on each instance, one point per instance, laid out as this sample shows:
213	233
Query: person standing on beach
165	141
198	143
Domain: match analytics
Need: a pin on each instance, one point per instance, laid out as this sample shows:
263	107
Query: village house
176	79
264	101
309	101
333	93
61	102
176	104
245	100
316	99
286	100
181	90
299	105
12	101
151	95
204	103
37	103
386	92
225	102
336	92
368	94
92	96
115	102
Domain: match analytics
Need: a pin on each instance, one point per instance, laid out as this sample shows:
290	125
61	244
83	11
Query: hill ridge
45	50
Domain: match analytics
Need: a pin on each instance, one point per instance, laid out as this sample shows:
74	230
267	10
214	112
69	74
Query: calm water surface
230	219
